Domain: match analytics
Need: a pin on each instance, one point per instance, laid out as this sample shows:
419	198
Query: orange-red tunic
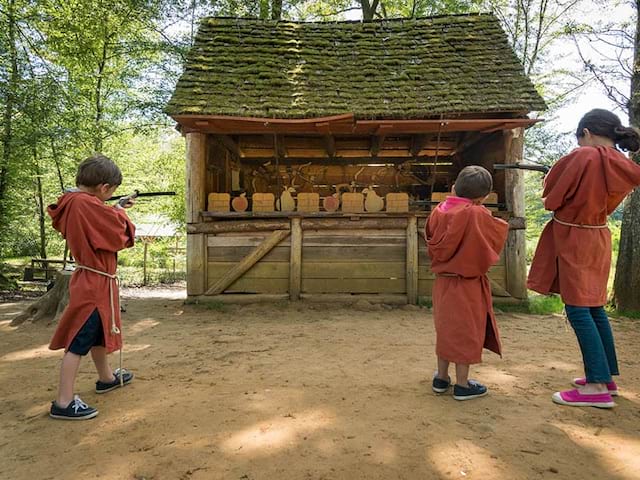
464	240
94	232
582	188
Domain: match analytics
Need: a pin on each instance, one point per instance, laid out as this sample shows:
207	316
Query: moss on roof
383	69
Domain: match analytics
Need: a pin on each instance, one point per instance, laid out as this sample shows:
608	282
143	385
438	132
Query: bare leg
443	369
68	373
99	357
462	375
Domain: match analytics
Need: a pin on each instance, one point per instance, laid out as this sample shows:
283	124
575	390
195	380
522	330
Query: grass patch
425	302
536	305
215	305
618	314
545	304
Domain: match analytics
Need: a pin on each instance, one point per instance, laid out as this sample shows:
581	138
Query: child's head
99	175
473	182
603	123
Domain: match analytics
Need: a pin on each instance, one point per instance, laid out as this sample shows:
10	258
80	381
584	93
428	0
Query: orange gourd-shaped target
240	204
331	203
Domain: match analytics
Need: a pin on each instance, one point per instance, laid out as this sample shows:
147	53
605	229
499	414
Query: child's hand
128	201
125	202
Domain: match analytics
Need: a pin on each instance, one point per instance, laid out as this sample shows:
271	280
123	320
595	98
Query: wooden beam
280	146
417	144
470	139
196	263
377	141
330	145
295	264
196	175
352	160
237	299
230	144
349	299
515	248
254	225
412	261
497	290
247	262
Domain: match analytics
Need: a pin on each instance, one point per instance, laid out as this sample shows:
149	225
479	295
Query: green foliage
545	304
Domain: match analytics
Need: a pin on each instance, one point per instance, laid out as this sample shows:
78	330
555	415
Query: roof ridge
381	20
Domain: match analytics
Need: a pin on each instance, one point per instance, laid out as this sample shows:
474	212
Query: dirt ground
307	391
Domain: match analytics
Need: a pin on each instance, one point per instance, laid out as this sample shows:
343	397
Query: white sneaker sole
560	401
64	417
470	397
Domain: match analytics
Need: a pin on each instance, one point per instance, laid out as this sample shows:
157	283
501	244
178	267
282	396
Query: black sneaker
104	387
474	390
76	410
439	385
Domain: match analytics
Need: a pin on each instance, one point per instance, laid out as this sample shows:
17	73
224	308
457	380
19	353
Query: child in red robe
464	240
573	256
95	232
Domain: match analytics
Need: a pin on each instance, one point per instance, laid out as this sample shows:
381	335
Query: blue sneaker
474	390
76	410
440	386
104	387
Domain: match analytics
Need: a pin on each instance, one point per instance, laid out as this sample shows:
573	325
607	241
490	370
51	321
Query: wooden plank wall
333	261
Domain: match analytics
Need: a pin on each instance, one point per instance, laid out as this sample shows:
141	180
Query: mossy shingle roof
384	69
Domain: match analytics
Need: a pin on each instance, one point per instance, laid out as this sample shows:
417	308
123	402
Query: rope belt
455	275
555	219
114	328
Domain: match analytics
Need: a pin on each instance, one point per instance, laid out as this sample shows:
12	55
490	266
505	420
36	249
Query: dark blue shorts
90	335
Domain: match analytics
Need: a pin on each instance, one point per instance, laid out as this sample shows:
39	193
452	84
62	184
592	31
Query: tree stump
51	304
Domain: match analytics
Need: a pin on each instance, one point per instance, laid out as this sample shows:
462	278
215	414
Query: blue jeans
596	342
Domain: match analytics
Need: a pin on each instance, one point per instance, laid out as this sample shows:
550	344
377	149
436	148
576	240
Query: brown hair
607	124
473	182
98	169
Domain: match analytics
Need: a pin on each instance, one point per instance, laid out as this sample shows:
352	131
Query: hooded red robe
582	188
94	232
463	241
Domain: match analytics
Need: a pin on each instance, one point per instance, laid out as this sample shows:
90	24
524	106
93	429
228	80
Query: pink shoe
611	386
574	398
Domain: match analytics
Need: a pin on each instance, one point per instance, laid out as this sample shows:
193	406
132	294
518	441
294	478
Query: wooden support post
295	265
144	263
196	175
196	263
412	261
515	248
247	262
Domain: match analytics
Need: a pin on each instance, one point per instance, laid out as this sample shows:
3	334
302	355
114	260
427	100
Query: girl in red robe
573	256
464	240
91	321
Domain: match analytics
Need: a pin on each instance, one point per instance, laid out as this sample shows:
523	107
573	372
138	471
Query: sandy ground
311	392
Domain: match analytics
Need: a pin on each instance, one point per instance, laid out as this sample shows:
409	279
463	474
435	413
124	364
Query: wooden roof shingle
393	69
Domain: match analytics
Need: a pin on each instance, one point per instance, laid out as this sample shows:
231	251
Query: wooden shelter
288	123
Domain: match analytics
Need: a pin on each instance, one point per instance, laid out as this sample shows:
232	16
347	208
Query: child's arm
109	228
563	179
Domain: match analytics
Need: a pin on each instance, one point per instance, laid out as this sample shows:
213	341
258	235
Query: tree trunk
40	204
51	304
627	282
368	9
276	9
8	108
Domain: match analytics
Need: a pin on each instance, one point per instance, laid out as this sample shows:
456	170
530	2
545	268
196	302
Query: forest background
84	76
